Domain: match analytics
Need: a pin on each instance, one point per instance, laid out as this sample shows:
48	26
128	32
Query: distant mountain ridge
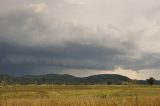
69	79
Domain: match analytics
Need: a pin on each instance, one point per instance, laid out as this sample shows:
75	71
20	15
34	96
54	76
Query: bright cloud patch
41	7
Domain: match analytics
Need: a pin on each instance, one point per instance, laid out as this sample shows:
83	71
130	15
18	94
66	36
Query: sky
80	37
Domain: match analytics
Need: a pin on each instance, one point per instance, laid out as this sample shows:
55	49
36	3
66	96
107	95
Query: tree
109	83
151	81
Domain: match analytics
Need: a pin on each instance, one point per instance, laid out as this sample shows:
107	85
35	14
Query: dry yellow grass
80	96
83	101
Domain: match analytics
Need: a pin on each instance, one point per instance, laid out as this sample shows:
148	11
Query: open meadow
80	95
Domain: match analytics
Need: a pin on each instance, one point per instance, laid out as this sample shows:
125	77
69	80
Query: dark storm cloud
71	55
147	61
28	43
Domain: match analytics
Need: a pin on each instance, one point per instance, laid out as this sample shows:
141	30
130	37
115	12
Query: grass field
80	95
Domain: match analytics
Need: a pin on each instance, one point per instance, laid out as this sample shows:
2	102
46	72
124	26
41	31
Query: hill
68	79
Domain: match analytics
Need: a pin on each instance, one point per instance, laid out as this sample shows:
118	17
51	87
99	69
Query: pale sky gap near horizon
80	37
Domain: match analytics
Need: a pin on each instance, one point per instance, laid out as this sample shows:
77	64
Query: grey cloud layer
28	41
